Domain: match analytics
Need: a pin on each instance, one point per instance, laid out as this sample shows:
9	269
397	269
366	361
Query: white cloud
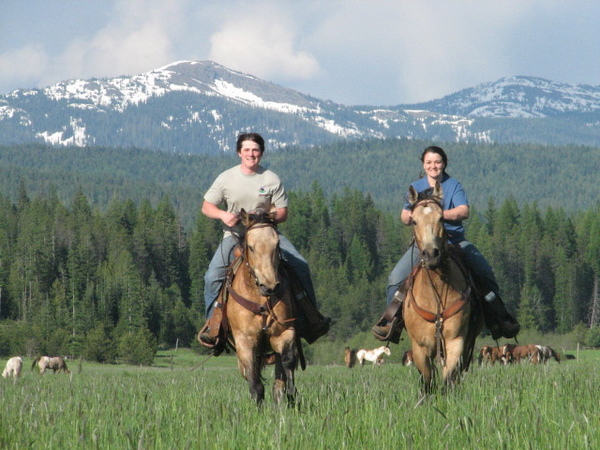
351	51
138	39
264	51
21	67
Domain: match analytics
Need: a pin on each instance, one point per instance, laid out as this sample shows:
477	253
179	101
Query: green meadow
193	401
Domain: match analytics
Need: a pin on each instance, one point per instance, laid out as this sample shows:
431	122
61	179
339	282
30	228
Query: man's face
250	155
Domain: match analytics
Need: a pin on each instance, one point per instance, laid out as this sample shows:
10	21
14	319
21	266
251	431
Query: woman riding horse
455	209
439	314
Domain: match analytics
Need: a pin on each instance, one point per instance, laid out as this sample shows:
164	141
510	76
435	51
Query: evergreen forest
75	280
103	252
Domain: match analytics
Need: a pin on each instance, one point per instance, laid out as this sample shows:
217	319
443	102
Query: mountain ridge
199	107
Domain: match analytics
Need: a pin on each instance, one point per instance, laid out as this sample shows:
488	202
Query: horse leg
423	363
249	367
285	366
453	363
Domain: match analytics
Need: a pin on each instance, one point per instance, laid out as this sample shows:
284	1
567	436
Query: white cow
13	367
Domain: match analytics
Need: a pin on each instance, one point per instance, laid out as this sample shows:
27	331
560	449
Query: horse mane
426	195
259	215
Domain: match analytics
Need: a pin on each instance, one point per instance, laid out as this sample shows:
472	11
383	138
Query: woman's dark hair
254	137
435	149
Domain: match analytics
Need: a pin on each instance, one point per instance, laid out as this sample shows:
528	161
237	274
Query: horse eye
251	248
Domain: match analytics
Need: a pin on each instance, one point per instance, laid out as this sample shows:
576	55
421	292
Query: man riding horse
248	186
456	209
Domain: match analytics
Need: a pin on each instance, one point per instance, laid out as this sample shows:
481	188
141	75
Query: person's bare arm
459	213
281	215
212	211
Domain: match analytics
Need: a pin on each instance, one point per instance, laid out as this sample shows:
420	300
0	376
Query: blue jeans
223	257
473	258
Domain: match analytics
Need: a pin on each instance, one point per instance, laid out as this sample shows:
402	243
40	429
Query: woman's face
433	165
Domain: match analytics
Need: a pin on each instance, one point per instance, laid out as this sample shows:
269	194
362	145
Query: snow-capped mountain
516	97
199	107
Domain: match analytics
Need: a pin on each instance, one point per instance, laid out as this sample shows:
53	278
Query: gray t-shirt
237	190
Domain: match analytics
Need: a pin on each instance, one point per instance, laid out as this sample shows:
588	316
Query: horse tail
35	361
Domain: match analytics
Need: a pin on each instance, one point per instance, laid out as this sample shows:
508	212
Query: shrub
98	346
138	347
592	337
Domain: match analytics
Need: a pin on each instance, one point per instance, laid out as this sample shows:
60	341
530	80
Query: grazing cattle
349	357
56	363
529	353
13	367
491	355
407	358
546	353
375	355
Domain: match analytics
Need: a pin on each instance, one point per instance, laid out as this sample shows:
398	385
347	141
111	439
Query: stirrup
205	338
215	343
394	333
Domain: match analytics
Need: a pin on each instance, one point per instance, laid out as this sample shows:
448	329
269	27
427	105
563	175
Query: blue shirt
453	196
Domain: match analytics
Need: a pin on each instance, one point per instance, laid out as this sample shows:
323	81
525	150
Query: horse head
428	226
261	248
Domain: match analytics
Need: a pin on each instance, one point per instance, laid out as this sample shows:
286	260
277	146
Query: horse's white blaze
427	210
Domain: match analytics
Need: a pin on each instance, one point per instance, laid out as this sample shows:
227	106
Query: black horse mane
427	194
261	215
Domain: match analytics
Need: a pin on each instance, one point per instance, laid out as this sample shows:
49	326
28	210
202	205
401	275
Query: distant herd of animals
506	354
14	365
511	353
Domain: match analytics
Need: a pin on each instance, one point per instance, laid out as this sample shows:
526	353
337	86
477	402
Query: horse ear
438	192
413	195
272	213
244	217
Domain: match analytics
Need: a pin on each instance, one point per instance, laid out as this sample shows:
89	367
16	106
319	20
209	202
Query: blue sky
375	52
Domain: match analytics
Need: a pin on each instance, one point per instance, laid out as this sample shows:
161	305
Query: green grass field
189	401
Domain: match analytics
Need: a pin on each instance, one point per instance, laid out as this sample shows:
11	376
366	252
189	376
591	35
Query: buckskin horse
56	363
260	312
440	316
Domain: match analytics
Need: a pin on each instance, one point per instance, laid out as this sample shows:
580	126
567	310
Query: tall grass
187	402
